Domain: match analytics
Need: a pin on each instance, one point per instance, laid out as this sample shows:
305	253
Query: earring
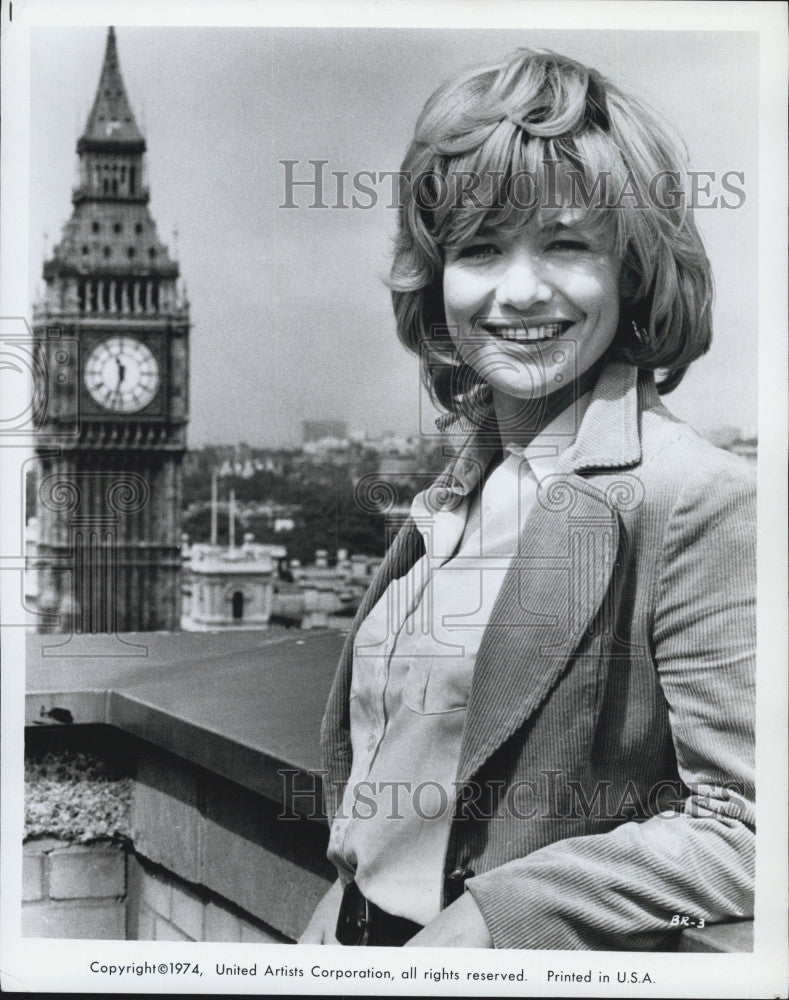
642	335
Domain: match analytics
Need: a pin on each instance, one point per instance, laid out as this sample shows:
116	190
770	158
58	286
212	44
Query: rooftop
224	701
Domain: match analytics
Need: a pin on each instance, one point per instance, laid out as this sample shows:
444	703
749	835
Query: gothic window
138	228
81	295
132	179
95	227
117	227
152	253
238	604
131	251
107	251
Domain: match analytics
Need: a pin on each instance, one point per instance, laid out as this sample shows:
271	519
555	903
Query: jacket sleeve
619	890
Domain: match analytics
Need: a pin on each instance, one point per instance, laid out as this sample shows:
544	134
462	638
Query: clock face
121	374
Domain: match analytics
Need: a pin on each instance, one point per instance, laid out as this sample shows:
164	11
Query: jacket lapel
557	583
550	594
406	549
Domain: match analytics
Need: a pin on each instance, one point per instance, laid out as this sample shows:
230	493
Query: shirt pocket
437	685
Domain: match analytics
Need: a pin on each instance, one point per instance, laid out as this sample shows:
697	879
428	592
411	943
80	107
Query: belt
363	923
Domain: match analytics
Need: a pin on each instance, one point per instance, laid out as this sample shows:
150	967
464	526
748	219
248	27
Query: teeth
522	335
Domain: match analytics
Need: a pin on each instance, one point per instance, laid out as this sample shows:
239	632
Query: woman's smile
529	330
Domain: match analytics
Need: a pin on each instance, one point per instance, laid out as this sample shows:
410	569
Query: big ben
114	325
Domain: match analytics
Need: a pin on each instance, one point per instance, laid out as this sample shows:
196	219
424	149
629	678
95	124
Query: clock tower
111	339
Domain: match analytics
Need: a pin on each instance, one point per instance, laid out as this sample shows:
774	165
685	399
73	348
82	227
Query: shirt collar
608	436
543	452
481	443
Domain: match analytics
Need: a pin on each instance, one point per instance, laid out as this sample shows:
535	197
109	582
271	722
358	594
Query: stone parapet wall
163	907
107	892
73	891
212	833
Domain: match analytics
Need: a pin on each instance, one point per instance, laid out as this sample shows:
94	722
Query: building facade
319	430
227	588
112	342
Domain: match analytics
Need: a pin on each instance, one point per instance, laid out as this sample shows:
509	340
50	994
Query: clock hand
121	371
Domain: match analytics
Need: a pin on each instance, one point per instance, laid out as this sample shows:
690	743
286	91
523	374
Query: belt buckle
353	923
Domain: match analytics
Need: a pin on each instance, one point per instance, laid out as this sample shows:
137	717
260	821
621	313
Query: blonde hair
482	132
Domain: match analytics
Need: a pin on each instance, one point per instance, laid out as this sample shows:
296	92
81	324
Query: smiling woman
540	731
532	313
593	174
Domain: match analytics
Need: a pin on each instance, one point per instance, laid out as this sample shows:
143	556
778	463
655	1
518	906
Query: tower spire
111	123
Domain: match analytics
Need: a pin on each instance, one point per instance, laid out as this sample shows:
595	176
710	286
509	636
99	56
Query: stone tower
111	334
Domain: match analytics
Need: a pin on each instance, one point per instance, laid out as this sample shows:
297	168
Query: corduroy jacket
605	779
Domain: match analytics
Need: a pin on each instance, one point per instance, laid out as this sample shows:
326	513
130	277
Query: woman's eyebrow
590	229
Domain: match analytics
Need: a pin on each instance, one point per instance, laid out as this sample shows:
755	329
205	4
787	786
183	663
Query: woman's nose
522	283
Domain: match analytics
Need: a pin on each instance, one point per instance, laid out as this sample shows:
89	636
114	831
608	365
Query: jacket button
454	884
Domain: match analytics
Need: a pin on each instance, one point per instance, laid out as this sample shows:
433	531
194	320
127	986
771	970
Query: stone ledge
216	700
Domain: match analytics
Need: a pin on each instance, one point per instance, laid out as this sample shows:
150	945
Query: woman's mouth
528	333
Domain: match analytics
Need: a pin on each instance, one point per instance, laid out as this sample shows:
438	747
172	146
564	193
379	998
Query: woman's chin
526	391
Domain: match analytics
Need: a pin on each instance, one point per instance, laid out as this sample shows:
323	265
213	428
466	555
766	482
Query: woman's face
532	312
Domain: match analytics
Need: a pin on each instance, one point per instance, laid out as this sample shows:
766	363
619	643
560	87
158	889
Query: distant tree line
320	489
326	514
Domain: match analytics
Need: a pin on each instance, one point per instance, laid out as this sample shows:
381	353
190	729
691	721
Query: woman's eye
578	245
478	251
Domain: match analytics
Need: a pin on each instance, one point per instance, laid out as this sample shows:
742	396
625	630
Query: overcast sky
290	317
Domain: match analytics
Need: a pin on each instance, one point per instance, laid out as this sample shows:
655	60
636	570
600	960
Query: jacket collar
608	437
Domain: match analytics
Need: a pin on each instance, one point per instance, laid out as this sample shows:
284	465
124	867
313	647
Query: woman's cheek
462	293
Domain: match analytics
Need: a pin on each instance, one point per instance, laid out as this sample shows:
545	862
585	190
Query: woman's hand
323	923
458	926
